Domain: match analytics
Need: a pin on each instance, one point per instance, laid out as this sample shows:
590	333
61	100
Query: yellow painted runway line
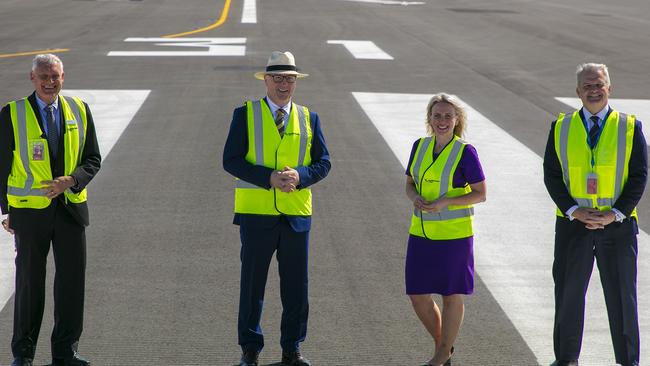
219	22
57	50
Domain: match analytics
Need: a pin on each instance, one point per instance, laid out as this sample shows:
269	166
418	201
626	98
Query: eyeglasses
279	78
597	86
440	117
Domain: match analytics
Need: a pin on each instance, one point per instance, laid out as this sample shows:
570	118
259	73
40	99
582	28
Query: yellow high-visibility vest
609	160
31	162
434	179
267	148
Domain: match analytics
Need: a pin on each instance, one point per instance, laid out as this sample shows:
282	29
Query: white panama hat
282	63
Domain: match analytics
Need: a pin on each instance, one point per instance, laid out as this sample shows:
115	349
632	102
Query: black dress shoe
249	358
294	359
75	360
565	363
22	361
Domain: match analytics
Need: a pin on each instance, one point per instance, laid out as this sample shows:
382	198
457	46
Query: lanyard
600	132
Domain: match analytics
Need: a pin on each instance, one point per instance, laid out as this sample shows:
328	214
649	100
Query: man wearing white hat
276	150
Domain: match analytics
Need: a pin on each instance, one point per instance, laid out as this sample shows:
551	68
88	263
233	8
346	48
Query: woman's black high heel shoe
447	363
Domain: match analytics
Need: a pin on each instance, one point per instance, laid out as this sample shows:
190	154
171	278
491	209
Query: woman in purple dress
444	179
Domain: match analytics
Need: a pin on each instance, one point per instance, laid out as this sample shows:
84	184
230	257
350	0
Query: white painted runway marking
639	107
215	47
514	263
249	13
363	50
112	112
388	2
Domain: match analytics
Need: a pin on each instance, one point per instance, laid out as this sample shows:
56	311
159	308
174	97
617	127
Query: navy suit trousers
615	251
291	248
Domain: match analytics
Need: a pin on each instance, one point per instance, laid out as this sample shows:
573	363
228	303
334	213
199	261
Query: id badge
37	150
592	183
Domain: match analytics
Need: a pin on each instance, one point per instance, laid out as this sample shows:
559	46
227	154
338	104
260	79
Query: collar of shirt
41	109
601	116
42	104
274	107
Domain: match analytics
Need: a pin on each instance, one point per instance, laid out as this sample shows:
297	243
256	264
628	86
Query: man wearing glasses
276	150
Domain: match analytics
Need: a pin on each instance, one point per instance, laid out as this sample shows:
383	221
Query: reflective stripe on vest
24	189
267	148
571	140
453	222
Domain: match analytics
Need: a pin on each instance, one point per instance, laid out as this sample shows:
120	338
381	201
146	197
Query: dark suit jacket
632	191
83	173
234	162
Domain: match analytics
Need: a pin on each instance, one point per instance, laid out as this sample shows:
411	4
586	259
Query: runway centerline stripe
112	112
249	13
514	229
218	23
30	53
234	46
363	50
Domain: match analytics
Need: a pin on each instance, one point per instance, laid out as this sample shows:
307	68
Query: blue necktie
52	131
593	132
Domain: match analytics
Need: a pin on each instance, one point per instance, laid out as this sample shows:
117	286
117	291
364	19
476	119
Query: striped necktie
52	131
279	121
593	131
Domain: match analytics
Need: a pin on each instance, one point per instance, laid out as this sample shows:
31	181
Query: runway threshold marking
30	53
249	13
363	50
514	232
218	23
233	46
112	111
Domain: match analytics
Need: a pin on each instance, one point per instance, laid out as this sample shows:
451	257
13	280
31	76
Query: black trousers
615	251
34	231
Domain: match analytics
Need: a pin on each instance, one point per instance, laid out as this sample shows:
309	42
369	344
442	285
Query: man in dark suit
595	170
276	149
48	154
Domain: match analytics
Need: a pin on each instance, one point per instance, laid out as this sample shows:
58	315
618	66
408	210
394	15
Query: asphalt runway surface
163	255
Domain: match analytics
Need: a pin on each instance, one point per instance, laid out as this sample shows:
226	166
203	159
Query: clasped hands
594	219
430	206
57	186
286	180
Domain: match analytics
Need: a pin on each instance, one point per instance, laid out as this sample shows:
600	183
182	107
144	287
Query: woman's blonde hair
461	115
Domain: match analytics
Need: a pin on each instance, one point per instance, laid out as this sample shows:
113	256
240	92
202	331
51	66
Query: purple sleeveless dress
444	267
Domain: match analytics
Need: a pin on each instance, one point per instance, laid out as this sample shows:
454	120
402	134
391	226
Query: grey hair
461	115
46	59
592	67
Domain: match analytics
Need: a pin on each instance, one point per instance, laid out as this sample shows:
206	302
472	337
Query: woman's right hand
419	203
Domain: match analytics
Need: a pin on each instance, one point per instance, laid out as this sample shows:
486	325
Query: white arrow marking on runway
112	112
388	2
249	12
514	229
639	107
215	47
363	50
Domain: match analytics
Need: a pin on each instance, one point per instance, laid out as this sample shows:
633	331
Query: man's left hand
605	218
57	186
293	178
